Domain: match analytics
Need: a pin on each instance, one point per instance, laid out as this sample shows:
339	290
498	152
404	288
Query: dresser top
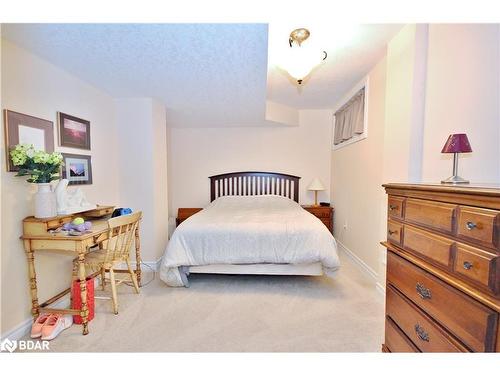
471	189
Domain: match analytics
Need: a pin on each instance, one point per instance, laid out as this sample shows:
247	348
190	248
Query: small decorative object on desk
121	211
77	226
71	201
42	168
456	143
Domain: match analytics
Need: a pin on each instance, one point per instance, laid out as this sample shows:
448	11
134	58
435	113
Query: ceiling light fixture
302	57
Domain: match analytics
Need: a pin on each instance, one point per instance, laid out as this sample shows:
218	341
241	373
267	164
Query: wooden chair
115	251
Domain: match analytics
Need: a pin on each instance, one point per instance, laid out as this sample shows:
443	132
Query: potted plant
42	168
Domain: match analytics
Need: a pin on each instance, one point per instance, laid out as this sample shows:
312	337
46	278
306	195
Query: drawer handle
423	292
392	207
422	335
470	225
391	232
467	265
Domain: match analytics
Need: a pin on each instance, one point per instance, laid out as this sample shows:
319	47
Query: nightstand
324	213
184	213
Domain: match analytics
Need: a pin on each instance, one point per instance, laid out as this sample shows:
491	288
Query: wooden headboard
254	183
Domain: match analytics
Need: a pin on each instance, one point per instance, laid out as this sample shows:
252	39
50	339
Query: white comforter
248	230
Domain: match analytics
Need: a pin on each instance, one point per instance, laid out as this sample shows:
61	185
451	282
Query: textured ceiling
206	74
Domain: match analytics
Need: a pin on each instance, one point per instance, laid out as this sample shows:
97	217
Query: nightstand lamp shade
456	143
315	186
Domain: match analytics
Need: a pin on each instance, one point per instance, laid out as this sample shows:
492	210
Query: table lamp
316	186
456	144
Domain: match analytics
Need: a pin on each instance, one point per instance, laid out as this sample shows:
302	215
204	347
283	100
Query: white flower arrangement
41	166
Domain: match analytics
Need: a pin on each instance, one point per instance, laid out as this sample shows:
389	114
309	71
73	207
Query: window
350	117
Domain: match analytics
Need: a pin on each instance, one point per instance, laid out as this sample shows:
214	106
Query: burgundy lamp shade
456	143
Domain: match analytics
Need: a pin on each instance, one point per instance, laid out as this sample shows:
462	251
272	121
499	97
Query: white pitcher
45	201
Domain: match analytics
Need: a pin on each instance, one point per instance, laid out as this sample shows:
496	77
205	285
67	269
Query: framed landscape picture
77	169
25	129
73	131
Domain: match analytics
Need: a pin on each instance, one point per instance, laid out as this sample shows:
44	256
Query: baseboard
365	267
362	266
24	328
380	288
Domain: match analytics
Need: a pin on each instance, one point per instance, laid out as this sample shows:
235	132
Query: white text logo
11	345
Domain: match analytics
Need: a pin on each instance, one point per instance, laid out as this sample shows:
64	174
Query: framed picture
74	132
21	128
77	169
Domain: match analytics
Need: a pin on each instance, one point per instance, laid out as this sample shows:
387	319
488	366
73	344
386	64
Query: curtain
349	119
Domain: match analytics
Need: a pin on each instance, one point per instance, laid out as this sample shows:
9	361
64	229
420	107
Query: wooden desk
36	237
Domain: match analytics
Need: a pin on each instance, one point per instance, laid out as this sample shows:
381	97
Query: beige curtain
349	120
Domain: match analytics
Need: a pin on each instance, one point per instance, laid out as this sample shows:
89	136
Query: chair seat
98	257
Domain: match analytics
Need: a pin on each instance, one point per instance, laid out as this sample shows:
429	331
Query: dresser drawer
479	225
320	213
424	333
395	232
396	341
395	207
473	323
435	215
477	265
39	227
327	222
433	247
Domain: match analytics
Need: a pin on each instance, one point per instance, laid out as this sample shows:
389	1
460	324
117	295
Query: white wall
404	105
142	135
463	96
282	114
439	79
31	85
194	154
357	179
1	185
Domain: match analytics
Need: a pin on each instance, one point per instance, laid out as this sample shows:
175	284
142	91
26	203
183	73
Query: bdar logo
8	346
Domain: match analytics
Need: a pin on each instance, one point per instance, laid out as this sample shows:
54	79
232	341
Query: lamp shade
456	143
300	60
316	185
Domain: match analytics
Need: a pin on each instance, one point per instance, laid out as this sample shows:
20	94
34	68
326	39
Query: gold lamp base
315	199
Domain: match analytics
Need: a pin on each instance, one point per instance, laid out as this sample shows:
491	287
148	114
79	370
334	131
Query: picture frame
22	128
77	169
74	132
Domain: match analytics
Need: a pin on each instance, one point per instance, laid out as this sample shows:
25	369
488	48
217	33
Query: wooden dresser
324	213
443	269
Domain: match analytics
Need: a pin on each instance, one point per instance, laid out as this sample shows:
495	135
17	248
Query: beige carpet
224	313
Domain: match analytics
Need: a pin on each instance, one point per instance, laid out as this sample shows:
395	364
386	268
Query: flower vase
45	201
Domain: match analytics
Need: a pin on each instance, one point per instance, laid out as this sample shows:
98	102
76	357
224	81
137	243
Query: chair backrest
121	232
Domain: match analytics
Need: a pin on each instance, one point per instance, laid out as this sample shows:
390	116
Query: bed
253	225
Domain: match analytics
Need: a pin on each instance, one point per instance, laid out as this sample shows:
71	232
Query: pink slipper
36	328
55	325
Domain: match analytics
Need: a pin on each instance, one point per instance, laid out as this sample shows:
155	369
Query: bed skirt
310	269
